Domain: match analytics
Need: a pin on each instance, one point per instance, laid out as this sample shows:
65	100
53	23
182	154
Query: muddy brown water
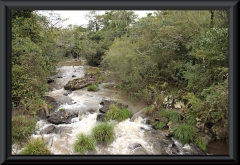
218	147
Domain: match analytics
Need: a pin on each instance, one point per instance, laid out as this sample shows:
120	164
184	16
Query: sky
76	17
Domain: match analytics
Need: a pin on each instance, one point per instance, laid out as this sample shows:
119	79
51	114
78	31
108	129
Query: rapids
131	136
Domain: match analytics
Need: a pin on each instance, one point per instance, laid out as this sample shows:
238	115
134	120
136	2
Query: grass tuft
93	87
103	133
115	113
185	133
84	143
35	147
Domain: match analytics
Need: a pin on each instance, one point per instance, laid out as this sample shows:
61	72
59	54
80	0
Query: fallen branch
46	110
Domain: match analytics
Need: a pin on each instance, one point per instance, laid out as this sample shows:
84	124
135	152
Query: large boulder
53	105
60	118
80	83
106	103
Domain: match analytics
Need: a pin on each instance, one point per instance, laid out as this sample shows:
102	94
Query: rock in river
60	118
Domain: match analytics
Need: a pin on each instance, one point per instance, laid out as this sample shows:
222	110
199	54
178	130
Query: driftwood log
46	110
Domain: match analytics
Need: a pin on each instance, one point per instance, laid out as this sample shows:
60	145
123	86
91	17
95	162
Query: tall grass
185	133
84	143
103	133
115	113
35	147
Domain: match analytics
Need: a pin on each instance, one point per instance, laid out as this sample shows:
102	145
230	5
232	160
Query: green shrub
103	133
171	115
35	147
93	87
22	127
201	143
115	113
83	143
185	133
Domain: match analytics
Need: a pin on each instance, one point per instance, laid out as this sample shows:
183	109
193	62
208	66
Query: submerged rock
49	129
134	146
67	92
63	130
140	151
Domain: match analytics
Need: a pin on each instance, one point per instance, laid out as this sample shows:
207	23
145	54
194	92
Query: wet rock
169	134
100	117
147	122
195	150
140	151
91	111
50	79
63	130
219	131
47	130
207	138
107	103
67	92
73	75
62	99
134	146
60	118
53	104
59	76
200	125
141	114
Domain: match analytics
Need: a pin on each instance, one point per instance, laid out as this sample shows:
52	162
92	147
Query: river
131	136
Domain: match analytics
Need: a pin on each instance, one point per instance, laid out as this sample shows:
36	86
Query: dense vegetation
182	53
